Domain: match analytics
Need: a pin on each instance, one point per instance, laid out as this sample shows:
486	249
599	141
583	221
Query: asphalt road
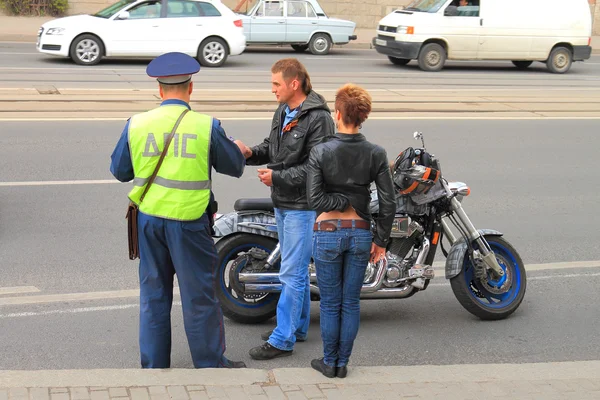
21	66
526	177
532	180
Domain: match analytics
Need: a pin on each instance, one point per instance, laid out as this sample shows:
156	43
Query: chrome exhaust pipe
262	288
267	277
378	281
391	293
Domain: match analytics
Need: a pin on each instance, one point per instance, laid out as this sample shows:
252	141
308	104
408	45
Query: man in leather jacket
301	121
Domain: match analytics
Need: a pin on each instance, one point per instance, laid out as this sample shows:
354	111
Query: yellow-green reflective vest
181	189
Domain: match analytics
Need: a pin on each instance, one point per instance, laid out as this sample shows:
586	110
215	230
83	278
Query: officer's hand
246	151
266	176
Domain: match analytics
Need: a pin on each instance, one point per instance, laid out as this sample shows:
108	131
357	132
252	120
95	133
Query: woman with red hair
340	173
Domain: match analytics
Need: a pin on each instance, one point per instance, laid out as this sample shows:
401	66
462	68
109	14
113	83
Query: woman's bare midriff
349	213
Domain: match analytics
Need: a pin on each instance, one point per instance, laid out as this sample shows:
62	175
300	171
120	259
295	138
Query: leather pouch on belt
132	231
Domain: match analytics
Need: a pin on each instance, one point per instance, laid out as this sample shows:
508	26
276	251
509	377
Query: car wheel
399	61
87	50
432	57
320	44
560	60
522	64
213	52
300	48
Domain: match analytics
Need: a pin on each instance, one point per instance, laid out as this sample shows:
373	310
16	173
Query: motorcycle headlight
55	31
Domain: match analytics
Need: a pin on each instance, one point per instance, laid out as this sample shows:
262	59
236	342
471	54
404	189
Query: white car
206	29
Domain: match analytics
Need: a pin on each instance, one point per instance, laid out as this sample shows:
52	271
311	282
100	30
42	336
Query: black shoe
234	364
265	336
268	352
341	372
323	368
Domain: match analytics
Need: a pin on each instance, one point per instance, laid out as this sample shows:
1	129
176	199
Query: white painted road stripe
411	118
18	289
178	303
539	278
75	310
50	183
67	297
121	294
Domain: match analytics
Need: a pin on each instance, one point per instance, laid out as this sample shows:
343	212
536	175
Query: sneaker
265	336
323	368
268	352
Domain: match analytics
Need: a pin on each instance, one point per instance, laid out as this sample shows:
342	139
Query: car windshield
112	9
430	6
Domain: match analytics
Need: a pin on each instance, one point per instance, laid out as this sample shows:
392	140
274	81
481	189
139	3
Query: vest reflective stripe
173	184
181	189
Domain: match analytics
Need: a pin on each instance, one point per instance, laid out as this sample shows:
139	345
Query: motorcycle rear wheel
493	299
237	307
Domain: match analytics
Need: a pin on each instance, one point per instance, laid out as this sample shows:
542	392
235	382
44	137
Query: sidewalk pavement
24	29
565	380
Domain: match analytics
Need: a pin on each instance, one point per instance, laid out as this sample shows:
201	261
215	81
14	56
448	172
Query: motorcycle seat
253	204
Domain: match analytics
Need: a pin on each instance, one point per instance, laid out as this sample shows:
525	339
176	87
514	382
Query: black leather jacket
340	173
287	154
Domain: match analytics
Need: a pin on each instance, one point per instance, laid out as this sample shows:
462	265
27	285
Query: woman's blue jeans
341	258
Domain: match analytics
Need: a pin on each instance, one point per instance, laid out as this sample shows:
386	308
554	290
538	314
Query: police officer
174	221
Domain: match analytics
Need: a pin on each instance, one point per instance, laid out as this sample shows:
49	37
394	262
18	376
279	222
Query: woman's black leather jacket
340	173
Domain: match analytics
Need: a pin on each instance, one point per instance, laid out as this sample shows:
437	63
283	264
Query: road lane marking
75	310
537	278
50	183
375	118
178	303
129	293
18	289
67	297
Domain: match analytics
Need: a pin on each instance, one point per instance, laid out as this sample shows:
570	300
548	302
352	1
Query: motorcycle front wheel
239	307
490	298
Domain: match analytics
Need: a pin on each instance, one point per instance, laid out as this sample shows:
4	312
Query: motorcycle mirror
419	135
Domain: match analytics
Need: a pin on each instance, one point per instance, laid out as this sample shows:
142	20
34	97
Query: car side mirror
123	15
451	11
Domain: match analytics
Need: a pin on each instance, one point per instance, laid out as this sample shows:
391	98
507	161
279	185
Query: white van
556	32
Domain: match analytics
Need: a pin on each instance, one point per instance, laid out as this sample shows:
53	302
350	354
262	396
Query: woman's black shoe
323	368
341	372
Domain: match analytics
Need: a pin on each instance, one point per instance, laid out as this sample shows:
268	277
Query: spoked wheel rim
213	52
87	51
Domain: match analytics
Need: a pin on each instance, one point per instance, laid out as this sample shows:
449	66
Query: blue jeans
294	228
341	258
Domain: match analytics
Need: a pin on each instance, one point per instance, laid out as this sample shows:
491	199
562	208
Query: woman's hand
377	253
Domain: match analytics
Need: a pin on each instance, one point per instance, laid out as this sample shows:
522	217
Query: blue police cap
173	68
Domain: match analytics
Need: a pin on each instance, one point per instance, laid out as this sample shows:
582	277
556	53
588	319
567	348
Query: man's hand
266	176
377	253
246	151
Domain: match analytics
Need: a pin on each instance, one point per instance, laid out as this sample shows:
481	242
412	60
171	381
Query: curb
302	376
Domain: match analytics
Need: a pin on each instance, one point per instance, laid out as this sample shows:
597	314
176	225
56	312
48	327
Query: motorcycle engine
405	235
397	269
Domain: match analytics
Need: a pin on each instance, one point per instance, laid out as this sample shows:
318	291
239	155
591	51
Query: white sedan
205	29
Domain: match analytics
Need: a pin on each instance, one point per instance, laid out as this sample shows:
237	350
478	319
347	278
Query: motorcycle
486	273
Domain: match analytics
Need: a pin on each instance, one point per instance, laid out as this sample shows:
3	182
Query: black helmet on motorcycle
414	171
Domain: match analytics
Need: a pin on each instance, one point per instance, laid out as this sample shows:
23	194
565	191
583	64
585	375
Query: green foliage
35	7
